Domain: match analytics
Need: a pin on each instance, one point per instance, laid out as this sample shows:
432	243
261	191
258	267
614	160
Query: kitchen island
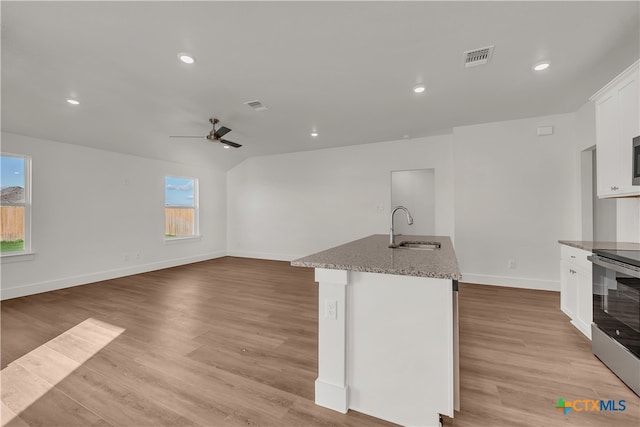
388	331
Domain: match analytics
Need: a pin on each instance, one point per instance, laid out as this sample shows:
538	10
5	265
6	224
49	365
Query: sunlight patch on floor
28	378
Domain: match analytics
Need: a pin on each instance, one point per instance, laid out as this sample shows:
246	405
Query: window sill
186	239
8	258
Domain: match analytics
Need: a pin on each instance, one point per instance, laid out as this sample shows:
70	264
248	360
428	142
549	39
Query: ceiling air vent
478	56
256	105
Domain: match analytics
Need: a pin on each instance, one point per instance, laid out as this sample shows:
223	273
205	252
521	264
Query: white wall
414	189
291	205
90	207
628	220
585	141
516	195
587	188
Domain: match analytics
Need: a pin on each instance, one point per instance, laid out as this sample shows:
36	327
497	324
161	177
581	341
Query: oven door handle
615	267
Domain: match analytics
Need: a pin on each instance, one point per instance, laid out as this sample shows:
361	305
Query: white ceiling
343	68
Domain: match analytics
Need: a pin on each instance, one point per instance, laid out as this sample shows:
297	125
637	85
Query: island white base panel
389	350
332	396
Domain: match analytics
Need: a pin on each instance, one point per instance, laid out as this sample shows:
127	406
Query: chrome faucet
392	236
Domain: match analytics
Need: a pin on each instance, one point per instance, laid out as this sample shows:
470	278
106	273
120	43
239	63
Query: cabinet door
617	123
628	101
609	170
568	289
584	288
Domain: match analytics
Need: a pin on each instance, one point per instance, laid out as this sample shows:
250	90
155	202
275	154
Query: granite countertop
372	254
590	246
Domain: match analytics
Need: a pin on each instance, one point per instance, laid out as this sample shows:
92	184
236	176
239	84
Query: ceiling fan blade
185	136
230	144
222	132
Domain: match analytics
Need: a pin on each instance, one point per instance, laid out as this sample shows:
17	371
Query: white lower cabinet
576	287
568	289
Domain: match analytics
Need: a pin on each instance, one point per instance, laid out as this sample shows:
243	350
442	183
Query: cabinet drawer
576	256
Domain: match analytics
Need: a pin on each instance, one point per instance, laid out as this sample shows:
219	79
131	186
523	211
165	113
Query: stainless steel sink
414	244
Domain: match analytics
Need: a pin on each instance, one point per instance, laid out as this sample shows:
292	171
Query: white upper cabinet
617	123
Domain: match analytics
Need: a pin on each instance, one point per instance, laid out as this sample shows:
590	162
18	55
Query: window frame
27	204
195	207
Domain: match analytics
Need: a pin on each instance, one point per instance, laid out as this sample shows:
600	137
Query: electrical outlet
331	309
380	207
138	255
511	264
126	257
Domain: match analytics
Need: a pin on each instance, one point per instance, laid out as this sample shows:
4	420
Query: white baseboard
67	282
263	255
512	282
582	327
332	396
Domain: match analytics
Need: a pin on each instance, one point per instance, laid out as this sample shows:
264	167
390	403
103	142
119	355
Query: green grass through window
16	245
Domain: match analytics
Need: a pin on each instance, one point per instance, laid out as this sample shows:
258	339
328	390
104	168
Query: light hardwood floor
519	354
232	342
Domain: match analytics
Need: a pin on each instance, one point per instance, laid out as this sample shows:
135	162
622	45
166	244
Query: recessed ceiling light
541	66
186	58
226	146
314	134
405	136
73	101
418	89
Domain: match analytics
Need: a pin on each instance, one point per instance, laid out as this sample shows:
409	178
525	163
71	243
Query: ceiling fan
214	135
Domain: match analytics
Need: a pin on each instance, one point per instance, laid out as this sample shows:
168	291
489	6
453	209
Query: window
15	204
180	207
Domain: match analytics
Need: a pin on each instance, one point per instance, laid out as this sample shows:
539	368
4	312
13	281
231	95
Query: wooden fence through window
179	221
11	223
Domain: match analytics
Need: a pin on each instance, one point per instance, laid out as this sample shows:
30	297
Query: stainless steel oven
616	313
